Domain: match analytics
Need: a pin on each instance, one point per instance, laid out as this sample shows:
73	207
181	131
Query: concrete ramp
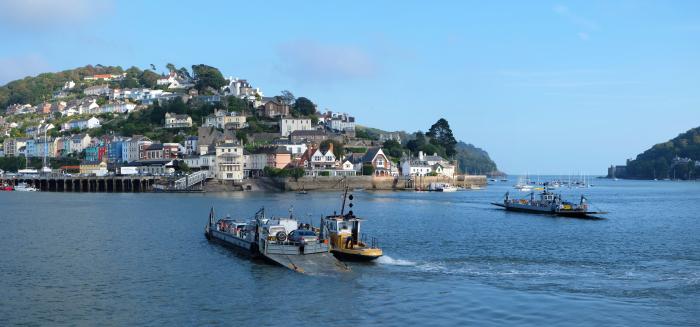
323	263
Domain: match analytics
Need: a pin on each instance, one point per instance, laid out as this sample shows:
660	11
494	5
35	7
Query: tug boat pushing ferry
343	231
549	203
282	241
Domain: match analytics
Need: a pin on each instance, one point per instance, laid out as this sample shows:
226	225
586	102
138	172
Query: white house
296	149
79	142
68	85
426	164
97	90
120	107
81	124
289	125
229	162
134	147
177	121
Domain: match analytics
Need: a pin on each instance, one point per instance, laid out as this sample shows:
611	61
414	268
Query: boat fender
281	236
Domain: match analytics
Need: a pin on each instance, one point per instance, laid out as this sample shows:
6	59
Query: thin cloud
12	68
585	25
575	19
50	14
547	73
316	62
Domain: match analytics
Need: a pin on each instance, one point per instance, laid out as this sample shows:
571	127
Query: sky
546	87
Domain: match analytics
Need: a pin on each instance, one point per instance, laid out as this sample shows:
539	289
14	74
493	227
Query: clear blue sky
543	86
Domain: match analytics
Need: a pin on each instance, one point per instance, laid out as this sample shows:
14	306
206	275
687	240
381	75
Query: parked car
302	236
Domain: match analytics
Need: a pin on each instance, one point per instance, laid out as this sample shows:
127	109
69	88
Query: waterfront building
374	157
229	161
201	162
426	164
133	148
98	168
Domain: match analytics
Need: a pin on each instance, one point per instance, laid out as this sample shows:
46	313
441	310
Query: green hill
474	160
672	159
40	88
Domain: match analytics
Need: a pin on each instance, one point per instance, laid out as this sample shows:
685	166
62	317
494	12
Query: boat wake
387	260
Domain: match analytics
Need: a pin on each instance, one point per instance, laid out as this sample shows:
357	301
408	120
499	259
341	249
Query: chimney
330	147
420	155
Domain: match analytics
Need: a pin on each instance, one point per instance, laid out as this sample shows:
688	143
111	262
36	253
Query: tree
153	67
417	143
296	172
287	98
441	134
303	107
149	79
129	82
367	169
171	68
207	76
183	72
392	148
338	147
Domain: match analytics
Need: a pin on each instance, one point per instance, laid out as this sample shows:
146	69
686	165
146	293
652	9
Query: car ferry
268	238
549	203
343	232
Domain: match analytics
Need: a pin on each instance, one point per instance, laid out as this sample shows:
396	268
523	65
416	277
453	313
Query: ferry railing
373	241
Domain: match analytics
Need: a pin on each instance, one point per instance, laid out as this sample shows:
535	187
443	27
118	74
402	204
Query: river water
451	259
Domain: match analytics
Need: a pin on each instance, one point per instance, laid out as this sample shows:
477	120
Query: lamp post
44	168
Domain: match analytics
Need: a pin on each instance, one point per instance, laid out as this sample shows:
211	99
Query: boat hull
549	211
232	242
356	256
309	259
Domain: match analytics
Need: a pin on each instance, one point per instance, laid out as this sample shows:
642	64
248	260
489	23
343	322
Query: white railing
191	179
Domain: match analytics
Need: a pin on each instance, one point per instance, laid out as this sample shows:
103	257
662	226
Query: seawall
310	183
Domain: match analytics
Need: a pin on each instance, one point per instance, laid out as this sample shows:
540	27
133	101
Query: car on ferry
302	236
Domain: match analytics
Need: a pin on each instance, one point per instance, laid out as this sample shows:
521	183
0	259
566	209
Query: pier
105	184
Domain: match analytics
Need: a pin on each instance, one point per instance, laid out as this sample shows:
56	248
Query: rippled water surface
451	259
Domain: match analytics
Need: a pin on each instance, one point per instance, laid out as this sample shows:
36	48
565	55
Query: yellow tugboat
343	233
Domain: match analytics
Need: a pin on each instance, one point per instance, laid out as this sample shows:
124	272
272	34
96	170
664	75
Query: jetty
104	184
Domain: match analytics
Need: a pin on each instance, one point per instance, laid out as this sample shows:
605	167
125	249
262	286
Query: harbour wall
313	183
107	184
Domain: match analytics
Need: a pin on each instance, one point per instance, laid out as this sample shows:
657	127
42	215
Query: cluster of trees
41	87
284	172
658	162
440	139
207	77
17	163
299	107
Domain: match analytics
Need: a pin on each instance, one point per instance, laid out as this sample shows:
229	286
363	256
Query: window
380	162
329	158
317	158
